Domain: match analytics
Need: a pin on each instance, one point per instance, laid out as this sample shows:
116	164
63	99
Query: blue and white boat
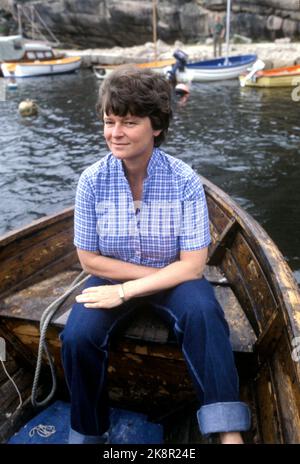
217	69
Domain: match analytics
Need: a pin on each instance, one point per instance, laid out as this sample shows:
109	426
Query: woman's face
129	137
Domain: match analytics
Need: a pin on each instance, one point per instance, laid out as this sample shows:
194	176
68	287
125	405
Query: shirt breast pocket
161	249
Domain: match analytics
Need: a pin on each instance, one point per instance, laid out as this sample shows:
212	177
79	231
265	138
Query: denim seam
183	349
100	388
114	324
101	347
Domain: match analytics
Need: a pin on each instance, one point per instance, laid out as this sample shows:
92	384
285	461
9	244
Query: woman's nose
117	130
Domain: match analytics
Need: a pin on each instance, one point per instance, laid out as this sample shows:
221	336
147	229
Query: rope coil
43	347
42	430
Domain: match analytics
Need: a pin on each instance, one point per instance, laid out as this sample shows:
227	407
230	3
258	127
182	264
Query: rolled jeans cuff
224	417
76	438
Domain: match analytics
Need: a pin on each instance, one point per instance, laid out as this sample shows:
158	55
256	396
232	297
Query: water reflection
244	140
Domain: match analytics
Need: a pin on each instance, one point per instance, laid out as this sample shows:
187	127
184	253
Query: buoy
12	85
181	89
28	108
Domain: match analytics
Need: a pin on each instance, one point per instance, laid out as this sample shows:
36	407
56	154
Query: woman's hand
104	297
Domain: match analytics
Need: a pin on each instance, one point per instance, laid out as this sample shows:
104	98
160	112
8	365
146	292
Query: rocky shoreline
108	23
280	53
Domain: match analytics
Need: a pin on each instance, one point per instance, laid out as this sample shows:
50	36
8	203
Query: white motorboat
22	58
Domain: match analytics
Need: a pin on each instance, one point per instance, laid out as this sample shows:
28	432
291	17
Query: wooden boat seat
146	327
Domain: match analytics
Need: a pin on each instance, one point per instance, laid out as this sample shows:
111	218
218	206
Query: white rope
42	430
44	322
14	384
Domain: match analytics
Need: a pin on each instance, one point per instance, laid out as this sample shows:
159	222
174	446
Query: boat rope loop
43	347
42	430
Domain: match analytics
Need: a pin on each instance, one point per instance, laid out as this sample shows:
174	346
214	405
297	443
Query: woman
142	231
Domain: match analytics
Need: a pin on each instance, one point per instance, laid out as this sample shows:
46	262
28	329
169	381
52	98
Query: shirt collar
152	164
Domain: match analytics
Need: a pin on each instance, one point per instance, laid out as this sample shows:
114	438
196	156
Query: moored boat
218	69
20	57
41	68
288	76
101	71
253	283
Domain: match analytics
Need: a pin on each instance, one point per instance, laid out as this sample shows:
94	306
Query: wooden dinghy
147	372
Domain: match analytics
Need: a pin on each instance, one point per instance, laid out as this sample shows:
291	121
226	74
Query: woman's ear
157	132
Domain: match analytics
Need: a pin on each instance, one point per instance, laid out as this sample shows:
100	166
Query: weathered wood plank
134	379
268	415
29	303
286	380
257	283
268	339
219	217
236	279
33	259
222	242
242	335
38	235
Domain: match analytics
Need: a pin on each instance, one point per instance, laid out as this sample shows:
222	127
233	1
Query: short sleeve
85	221
194	231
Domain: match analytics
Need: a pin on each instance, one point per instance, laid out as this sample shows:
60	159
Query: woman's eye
108	123
130	123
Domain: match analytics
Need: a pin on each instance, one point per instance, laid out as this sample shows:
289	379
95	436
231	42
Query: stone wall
106	23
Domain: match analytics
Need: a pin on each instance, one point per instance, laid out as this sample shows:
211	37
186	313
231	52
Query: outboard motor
181	61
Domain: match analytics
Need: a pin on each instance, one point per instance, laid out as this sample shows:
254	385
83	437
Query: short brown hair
139	92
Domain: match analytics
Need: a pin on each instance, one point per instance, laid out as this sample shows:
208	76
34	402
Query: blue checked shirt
172	215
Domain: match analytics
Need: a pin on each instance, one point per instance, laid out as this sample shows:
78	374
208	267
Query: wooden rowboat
276	77
253	283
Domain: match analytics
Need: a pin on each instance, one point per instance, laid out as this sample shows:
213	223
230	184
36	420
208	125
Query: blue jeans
202	333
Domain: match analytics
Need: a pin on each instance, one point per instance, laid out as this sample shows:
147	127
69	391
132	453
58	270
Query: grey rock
237	38
107	23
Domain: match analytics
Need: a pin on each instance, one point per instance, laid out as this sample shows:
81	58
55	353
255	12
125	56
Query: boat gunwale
282	282
34	226
201	65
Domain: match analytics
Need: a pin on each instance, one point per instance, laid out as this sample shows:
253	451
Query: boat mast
154	28
227	30
19	11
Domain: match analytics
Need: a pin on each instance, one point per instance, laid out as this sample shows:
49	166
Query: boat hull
216	70
257	291
160	66
42	68
276	77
